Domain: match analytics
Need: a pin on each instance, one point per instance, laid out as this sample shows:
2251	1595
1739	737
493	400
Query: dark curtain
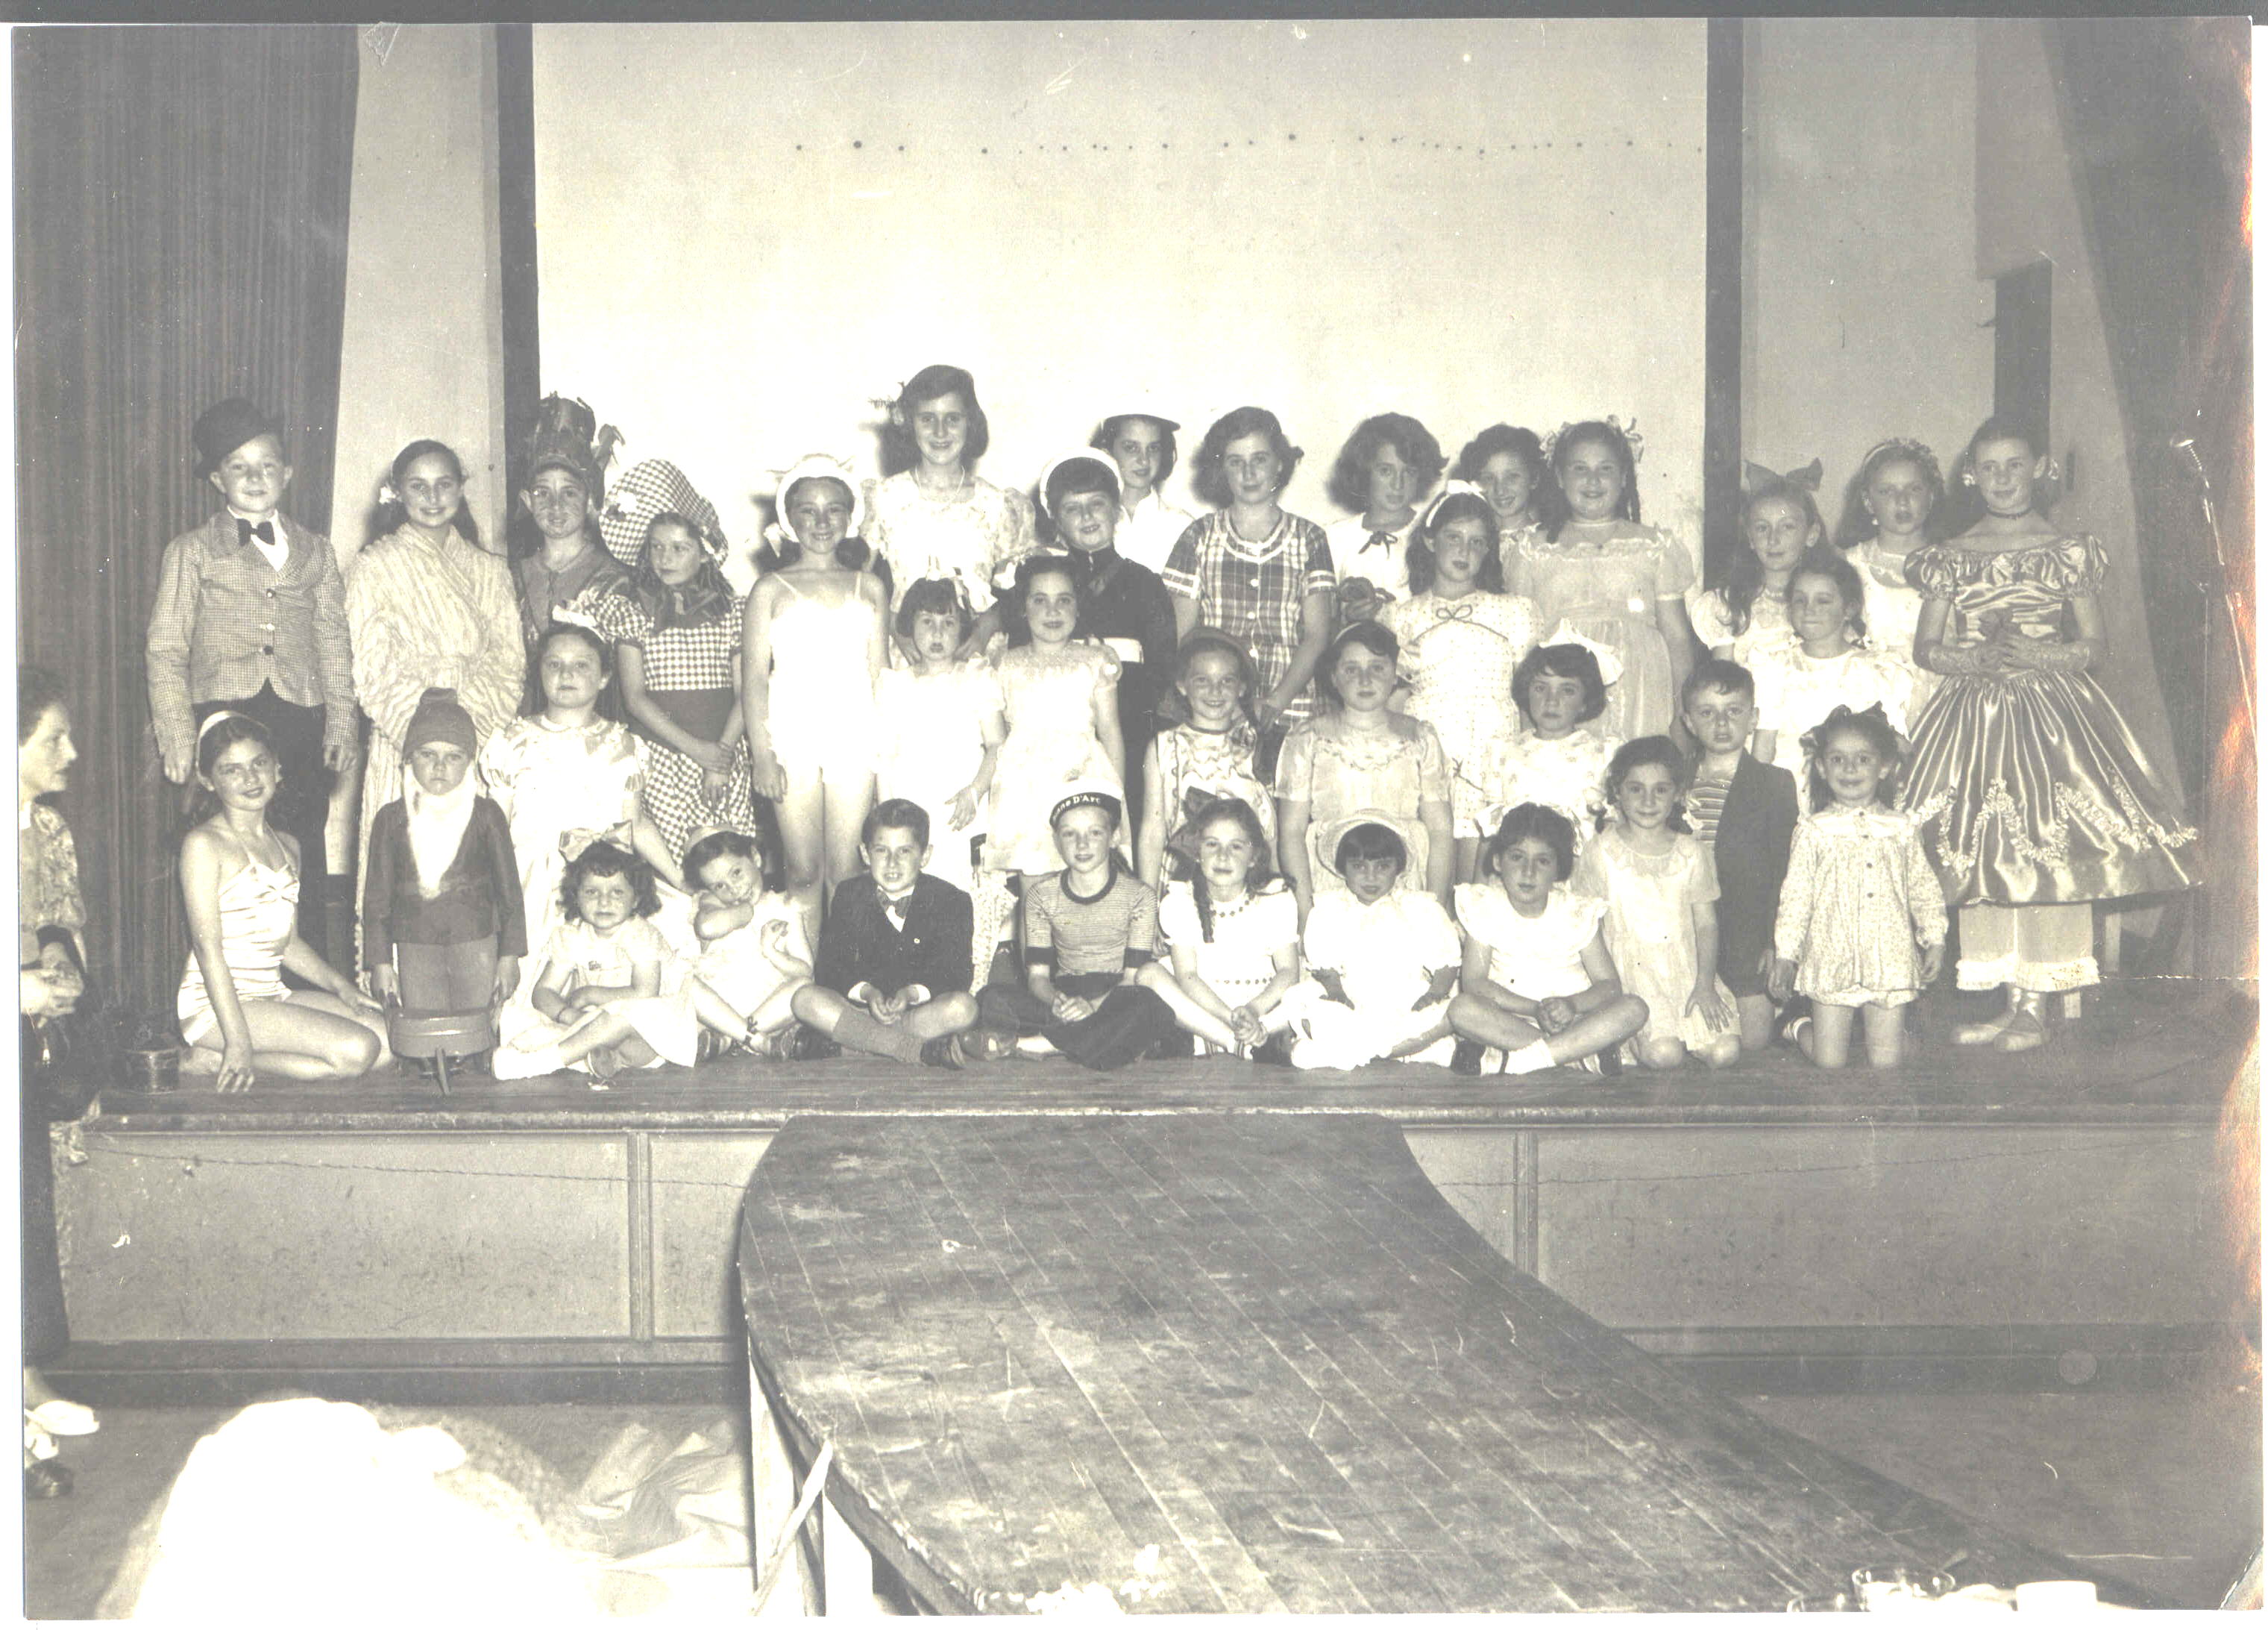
2157	118
180	237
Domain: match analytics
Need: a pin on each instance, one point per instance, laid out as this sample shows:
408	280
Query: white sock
1526	1060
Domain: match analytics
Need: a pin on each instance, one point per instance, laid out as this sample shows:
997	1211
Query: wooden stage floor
2146	1050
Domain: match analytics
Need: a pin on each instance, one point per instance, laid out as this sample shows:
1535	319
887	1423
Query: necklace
964	484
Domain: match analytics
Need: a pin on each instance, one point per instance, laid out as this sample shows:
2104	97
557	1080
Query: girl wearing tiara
811	646
2035	798
241	884
1614	579
1859	897
677	647
933	515
1462	638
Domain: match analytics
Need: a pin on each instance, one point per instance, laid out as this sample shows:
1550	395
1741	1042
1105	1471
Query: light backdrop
749	231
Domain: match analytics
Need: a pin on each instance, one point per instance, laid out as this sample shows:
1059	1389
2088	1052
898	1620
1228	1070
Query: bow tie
896	907
1452	611
245	532
1380	539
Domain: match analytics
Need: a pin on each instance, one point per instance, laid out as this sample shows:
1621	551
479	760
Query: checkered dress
1253	592
683	663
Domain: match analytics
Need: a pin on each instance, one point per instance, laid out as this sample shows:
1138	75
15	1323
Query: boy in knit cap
442	928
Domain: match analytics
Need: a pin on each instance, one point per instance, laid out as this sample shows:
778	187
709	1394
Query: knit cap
440	717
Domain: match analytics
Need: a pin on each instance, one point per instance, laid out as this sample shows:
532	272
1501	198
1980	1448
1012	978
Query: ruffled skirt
2033	791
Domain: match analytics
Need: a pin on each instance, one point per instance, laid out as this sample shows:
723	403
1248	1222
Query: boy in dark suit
1744	810
893	966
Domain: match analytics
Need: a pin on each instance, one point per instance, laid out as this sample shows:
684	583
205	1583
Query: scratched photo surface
1195	1335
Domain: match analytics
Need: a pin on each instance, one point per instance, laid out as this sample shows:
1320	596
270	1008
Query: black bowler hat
225	426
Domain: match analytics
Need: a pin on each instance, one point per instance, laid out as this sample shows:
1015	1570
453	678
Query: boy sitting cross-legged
893	967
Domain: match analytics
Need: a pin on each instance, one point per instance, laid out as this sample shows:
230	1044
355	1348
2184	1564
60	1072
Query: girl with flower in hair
1506	462
1862	927
933	515
1779	521
1614	578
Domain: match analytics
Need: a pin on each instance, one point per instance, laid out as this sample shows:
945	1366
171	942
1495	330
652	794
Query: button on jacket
225	622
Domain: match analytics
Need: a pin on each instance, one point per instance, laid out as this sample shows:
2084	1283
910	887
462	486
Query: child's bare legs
803	846
1660	1053
819	821
1186	1009
848	800
306	1035
1756	1022
1826	1040
715	1012
1719	1050
1886	1035
1596	1031
775	1012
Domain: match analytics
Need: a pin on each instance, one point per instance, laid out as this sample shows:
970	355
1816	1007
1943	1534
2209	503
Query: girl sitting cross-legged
1539	981
1233	934
610	993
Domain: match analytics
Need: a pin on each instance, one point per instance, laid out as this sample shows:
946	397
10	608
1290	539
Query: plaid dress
689	675
1253	592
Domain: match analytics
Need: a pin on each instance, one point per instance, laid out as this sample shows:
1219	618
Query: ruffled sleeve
1577	918
1935	571
2075	566
1277	916
1295	766
623	621
1673	565
1432	766
1712	622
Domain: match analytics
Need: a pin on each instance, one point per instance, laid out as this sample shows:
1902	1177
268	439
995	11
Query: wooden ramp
1238	1363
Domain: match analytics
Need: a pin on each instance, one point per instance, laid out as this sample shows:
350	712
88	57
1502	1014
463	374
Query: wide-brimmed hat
1334	832
653	488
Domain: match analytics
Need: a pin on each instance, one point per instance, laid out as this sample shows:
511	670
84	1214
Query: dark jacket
480	892
861	943
1753	833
